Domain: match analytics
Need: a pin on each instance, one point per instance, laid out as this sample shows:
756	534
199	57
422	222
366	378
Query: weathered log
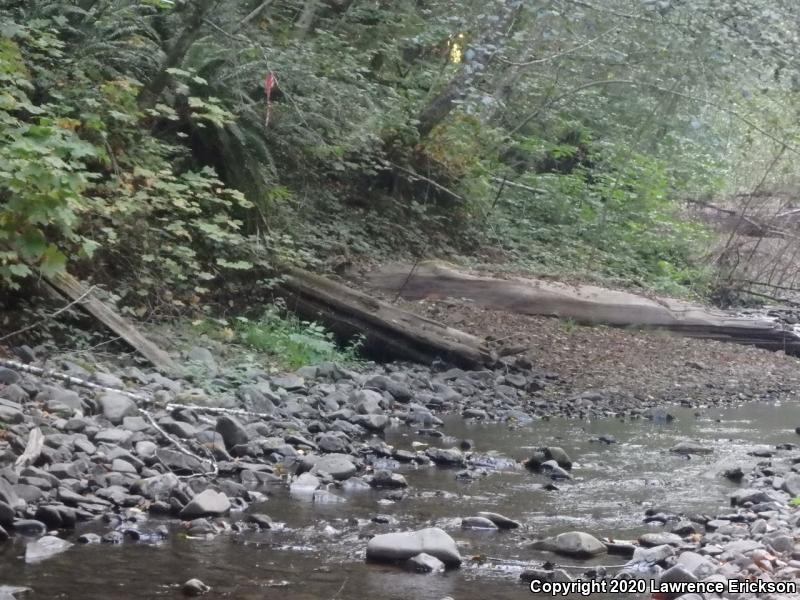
388	330
586	304
70	287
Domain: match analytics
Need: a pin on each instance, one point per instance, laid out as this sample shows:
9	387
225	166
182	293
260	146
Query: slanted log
73	289
389	331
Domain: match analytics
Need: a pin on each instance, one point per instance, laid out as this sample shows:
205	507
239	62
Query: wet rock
478	523
89	538
261	521
689	447
195	587
734	474
386	479
660	539
754	496
6	514
305	484
30	527
424	563
44	548
555	575
501	521
446	457
9	376
208	503
551	468
573	543
338	466
396	547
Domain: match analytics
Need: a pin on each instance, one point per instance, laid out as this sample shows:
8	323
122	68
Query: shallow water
319	552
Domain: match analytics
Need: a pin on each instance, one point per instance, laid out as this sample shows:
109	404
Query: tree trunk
149	94
486	45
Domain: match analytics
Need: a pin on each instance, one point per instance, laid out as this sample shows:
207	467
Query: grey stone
395	547
115	407
10	415
446	457
195	587
578	544
501	521
208	503
9	376
386	479
689	447
659	539
232	431
478	523
44	548
424	563
338	466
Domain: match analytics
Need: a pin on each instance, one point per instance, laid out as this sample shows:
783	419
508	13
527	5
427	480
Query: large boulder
397	547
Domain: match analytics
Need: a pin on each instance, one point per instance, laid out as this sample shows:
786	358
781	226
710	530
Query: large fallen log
587	304
389	331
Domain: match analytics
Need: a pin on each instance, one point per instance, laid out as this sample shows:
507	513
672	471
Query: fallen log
586	304
389	332
73	289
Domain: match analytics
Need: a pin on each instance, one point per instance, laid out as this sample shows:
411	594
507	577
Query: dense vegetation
176	148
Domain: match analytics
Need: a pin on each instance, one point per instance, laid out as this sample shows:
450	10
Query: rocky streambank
94	466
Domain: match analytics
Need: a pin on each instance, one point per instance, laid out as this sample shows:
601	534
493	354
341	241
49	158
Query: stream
319	550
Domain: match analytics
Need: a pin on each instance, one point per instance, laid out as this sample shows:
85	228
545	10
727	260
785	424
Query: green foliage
134	137
295	342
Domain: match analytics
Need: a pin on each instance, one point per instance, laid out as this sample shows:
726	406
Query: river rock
338	466
232	431
556	575
115	407
446	457
195	587
305	484
501	521
477	523
572	543
689	447
424	563
44	548
384	478
395	547
208	503
660	538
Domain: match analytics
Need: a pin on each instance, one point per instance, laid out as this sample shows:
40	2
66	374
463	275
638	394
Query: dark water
319	552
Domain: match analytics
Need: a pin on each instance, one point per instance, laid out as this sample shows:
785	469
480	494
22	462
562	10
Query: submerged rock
44	548
396	547
195	587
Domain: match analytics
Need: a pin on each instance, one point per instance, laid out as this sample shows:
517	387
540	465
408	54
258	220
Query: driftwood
75	290
389	331
586	304
32	449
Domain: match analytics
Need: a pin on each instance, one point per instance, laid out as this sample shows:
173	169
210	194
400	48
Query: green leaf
53	261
